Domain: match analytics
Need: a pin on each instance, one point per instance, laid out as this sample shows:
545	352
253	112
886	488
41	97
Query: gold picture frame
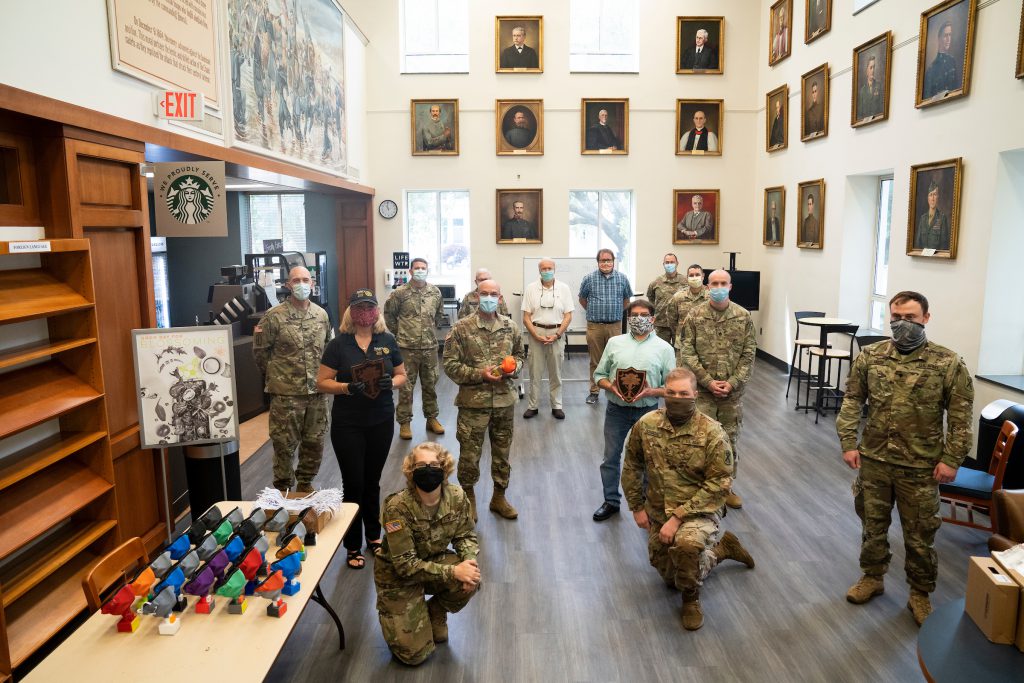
933	231
869	99
1020	47
690	226
814	106
817	19
776	122
508	59
512	226
515	136
780	31
712	136
608	136
810	231
430	136
944	58
711	57
774	234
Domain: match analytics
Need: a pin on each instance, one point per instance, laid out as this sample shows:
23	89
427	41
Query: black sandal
374	547
355	560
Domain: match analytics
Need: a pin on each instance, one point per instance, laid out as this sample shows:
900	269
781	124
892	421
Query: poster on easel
186	385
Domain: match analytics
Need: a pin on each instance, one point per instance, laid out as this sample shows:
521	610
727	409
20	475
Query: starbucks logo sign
190	199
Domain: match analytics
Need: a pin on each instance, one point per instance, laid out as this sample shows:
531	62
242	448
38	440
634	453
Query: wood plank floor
565	599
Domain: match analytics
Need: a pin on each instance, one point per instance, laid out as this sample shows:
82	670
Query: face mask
488	304
670	268
679	410
301	291
907	335
427	479
420	275
719	294
640	325
547	275
695	281
365	317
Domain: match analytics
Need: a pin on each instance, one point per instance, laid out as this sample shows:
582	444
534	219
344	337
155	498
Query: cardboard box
1018	577
992	599
313	523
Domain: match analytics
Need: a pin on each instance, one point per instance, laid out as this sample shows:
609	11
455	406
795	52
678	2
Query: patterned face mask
640	325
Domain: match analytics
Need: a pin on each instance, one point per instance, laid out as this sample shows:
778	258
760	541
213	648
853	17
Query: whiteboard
569	269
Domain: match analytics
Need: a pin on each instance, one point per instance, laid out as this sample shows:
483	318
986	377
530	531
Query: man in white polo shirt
547	312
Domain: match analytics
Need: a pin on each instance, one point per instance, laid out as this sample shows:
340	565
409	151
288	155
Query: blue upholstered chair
973	488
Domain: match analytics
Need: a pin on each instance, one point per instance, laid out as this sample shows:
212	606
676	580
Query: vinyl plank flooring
565	599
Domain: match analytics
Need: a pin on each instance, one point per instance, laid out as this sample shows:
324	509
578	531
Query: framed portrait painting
520	216
776	119
604	126
811	214
872	75
519	127
944	50
700	127
818	19
780	38
774	216
814	110
435	127
933	220
700	45
519	44
1020	46
695	216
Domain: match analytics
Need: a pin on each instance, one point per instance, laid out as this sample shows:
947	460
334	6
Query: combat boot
405	431
866	588
471	495
434	426
500	504
919	605
693	615
730	548
733	500
304	488
438	620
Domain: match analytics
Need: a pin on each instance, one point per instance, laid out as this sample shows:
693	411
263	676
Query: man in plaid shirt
603	294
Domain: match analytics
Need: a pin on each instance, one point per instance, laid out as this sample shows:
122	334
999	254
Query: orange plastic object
508	366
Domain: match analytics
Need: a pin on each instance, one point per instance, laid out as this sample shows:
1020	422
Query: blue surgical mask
488	304
547	275
670	268
301	291
719	294
420	275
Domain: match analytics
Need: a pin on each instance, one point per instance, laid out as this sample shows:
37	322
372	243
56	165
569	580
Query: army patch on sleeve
393	526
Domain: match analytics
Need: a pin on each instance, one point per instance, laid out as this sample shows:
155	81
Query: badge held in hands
630	382
370	373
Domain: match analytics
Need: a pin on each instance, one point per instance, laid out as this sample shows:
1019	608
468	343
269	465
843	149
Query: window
276	217
434	36
161	293
437	229
603	219
879	302
604	36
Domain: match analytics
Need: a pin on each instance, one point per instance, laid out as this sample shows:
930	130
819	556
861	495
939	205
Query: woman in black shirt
360	367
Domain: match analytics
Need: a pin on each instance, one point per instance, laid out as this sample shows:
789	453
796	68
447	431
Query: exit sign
179	105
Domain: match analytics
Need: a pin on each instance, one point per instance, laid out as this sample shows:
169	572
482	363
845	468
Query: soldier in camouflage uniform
412	313
288	344
420	523
903	454
686	459
718	345
682	302
660	293
473	355
471	301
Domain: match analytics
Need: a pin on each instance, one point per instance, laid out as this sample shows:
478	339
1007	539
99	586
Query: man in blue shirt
603	295
642	350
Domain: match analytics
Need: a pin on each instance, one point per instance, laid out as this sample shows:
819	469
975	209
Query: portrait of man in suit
604	124
699	41
774	208
777	137
699	123
819	19
513	38
697	212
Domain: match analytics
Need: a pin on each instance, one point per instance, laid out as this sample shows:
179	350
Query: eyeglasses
606	260
428	466
547	299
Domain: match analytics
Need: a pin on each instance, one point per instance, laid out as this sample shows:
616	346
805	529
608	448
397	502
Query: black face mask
679	410
427	479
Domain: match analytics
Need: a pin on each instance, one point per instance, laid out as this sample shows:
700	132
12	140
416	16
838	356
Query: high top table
825	326
209	647
952	649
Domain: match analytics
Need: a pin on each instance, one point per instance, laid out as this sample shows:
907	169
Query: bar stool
799	346
828	392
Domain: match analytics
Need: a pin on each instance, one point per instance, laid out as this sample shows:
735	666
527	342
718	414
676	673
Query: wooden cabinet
18	202
58	511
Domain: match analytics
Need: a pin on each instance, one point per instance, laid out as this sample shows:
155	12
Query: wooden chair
1007	518
114	566
974	488
800	345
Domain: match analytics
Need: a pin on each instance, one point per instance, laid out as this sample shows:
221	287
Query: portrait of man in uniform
934	217
811	214
519	127
435	127
871	76
699	45
944	51
520	216
604	126
699	126
814	114
774	216
818	19
777	119
780	35
696	216
518	44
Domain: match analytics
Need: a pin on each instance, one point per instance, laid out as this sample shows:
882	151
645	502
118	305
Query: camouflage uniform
719	345
901	444
471	302
484	407
414	560
412	314
675	315
660	293
288	344
688	472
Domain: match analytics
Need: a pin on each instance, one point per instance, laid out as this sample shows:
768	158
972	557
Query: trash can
992	417
208	483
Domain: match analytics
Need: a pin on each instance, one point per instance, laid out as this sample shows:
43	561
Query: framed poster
695	216
780	34
186	385
818	19
604	126
933	220
519	127
520	217
435	127
872	75
1020	46
519	44
774	216
814	112
776	110
700	45
811	214
700	127
944	51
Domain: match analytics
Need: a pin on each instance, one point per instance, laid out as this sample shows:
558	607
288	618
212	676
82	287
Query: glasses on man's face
428	465
606	260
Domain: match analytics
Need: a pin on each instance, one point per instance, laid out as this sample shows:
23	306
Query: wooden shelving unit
57	504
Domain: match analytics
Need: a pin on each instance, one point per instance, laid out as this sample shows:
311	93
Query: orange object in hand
508	366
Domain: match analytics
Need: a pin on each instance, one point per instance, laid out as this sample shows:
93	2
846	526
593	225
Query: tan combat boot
471	495
304	488
434	426
733	500
438	620
866	588
500	505
405	431
693	615
919	605
730	548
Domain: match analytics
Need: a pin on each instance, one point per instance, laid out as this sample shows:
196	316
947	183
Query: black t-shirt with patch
341	354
